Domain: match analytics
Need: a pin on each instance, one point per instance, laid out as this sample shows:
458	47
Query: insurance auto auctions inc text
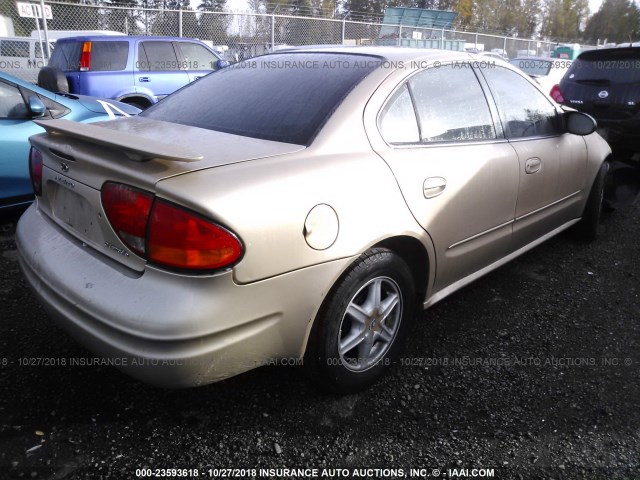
327	473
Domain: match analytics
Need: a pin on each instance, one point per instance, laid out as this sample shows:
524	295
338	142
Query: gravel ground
533	371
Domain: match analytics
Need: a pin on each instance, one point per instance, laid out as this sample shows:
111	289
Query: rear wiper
595	81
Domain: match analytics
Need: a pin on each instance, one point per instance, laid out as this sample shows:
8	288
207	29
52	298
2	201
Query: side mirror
222	64
36	107
580	123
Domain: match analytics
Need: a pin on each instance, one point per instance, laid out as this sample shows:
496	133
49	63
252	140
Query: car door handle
198	77
532	165
144	79
433	186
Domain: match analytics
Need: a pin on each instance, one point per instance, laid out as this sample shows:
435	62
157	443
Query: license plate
75	211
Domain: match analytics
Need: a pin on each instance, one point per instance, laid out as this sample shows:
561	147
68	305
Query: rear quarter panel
266	202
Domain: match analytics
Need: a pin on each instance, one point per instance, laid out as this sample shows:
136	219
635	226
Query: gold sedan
299	205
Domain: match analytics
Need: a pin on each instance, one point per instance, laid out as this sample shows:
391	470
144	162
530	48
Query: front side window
451	105
197	57
524	110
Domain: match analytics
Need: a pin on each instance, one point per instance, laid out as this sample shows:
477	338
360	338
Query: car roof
114	38
549	59
598	52
389	53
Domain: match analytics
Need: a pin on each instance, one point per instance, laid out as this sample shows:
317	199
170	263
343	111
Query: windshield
282	97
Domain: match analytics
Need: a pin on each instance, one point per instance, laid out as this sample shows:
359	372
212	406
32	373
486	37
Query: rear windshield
531	66
284	97
106	56
607	66
66	56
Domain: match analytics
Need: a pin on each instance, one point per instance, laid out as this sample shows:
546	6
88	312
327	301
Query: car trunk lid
79	158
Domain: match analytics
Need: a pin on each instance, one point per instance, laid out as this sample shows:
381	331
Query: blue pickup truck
139	70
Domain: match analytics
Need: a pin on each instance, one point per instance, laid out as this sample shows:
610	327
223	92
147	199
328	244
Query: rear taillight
127	210
166	234
35	170
85	57
180	239
556	94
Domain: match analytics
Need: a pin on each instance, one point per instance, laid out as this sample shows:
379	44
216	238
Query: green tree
519	18
464	8
129	21
367	9
564	19
214	26
616	21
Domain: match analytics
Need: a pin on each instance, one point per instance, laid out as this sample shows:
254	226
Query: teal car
22	102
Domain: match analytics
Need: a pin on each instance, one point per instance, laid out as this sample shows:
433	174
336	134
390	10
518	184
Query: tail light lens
85	57
166	234
127	210
180	239
556	94
35	170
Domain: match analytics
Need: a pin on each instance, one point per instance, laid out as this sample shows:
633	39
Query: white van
22	57
6	27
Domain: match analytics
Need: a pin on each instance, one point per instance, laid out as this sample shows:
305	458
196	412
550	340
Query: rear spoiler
135	148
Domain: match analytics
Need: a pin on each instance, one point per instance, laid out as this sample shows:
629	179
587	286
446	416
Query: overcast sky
594	5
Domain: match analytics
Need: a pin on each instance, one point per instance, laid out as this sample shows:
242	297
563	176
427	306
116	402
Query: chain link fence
243	35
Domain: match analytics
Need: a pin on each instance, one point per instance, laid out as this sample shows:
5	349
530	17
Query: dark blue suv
139	70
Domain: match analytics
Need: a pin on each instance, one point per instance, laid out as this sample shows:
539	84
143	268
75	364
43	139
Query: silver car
299	205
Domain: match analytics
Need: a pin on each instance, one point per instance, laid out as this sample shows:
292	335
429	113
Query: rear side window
398	122
606	67
285	97
109	56
451	105
39	46
157	56
14	48
197	57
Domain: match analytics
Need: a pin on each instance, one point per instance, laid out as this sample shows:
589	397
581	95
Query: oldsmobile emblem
64	181
111	246
64	167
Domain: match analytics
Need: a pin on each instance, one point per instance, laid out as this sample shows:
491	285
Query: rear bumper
166	329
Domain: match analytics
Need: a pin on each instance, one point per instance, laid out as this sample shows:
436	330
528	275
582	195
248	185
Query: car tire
588	228
137	104
53	79
362	324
